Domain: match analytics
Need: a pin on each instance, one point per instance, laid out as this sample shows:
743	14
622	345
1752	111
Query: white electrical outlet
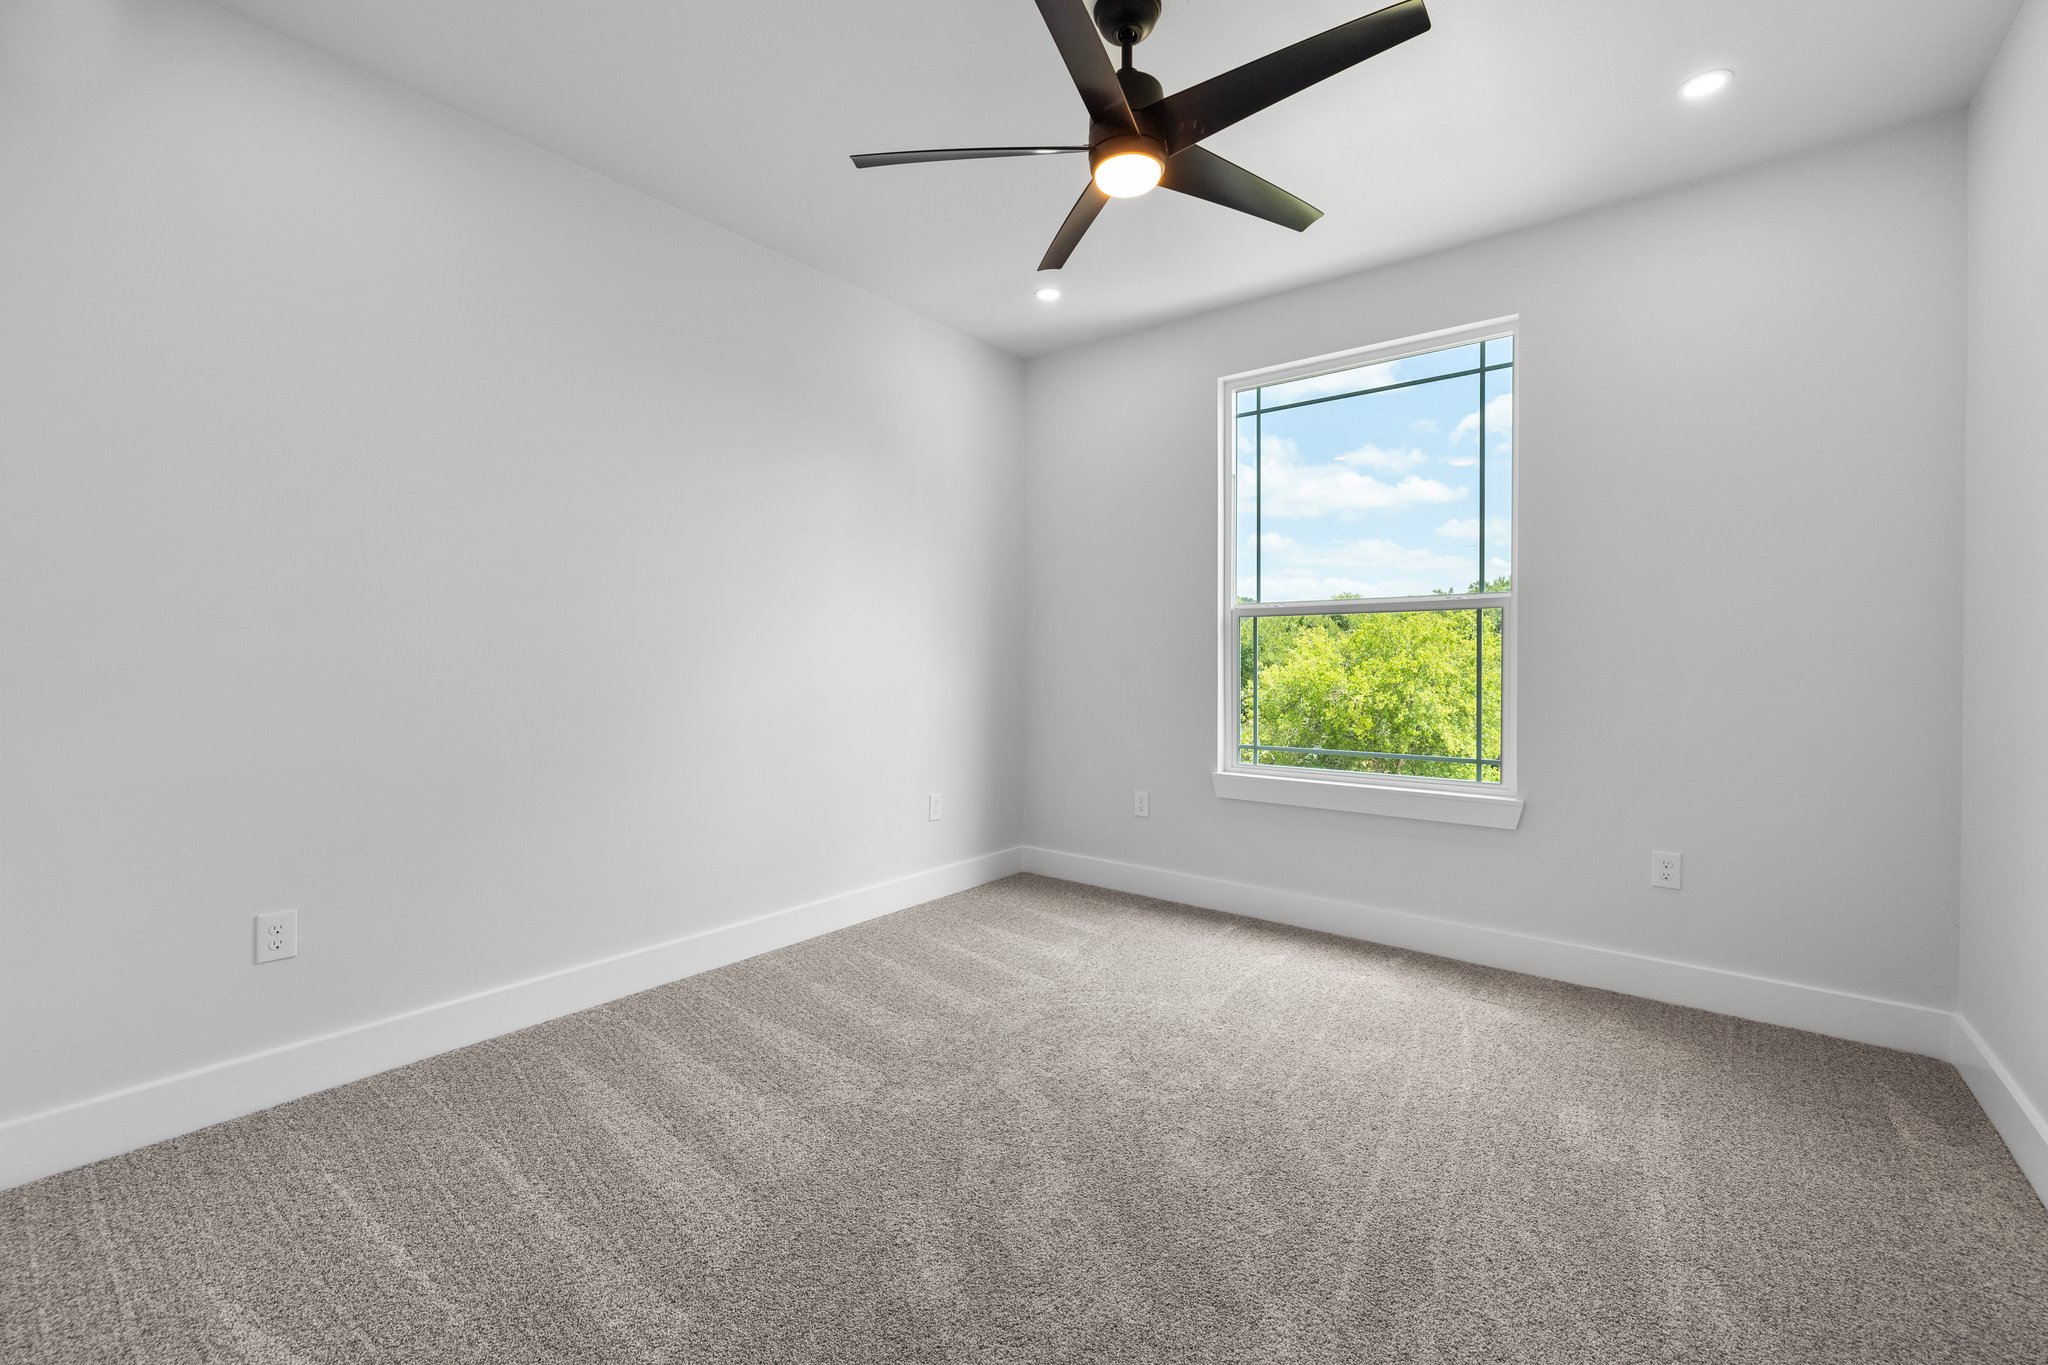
277	935
934	813
1664	870
1141	804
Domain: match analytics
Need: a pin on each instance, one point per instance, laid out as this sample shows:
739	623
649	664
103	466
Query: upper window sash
1425	420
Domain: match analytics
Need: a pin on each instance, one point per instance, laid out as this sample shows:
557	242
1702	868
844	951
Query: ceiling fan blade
1190	115
1073	32
1069	236
1205	175
867	159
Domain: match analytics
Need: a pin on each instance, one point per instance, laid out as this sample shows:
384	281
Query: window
1368	614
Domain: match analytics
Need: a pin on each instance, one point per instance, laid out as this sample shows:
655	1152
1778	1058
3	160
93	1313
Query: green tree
1391	683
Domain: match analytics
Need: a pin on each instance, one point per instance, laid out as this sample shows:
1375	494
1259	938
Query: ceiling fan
1139	137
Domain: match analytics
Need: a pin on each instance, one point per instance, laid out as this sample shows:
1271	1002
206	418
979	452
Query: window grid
1480	763
1479	632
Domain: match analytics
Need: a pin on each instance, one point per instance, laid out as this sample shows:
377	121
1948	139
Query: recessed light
1048	295
1705	84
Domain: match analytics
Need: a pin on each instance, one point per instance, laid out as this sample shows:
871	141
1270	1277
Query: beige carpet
1038	1122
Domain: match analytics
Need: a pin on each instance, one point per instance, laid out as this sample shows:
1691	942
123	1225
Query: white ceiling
1507	113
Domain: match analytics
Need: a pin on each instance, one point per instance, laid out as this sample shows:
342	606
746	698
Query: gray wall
401	524
2004	976
505	570
1739	410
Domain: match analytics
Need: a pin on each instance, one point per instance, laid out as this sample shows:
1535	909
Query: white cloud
1500	416
1385	461
1321	385
1370	568
1291	489
1428	426
1375	553
1465	530
1462	461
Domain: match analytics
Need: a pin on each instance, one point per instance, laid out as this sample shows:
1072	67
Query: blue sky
1379	494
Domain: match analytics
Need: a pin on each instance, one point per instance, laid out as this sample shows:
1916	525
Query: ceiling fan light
1126	175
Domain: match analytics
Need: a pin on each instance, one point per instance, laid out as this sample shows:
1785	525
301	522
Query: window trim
1496	805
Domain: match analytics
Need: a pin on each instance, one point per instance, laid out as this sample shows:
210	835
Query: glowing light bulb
1048	295
1127	175
1705	84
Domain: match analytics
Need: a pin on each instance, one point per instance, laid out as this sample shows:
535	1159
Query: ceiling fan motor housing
1126	21
1140	90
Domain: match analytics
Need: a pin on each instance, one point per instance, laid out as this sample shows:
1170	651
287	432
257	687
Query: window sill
1489	809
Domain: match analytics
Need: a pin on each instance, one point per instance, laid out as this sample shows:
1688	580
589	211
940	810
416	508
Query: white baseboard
1840	1014
2018	1120
107	1125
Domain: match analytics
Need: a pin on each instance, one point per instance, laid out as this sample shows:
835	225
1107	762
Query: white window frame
1498	806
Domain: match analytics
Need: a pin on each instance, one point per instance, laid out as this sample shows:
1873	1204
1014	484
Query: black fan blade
1078	218
867	159
1205	175
1192	114
1073	31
